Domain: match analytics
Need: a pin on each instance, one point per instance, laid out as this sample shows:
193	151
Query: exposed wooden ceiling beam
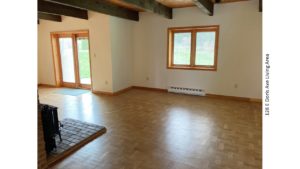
57	9
101	6
206	5
152	6
50	17
260	5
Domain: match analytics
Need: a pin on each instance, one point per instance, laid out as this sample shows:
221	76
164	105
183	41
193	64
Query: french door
74	59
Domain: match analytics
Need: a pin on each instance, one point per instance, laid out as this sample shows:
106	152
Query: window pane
205	48
84	60
67	59
182	48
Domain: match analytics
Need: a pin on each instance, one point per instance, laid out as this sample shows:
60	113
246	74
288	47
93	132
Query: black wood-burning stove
51	126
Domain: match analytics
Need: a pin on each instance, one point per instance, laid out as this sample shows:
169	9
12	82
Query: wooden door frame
57	58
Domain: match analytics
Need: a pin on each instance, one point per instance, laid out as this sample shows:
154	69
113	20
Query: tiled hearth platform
75	134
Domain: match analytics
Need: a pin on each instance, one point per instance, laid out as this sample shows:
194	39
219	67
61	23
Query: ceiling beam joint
206	5
152	6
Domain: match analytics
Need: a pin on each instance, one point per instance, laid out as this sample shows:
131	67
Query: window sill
193	68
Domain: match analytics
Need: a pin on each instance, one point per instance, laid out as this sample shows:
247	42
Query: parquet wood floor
157	130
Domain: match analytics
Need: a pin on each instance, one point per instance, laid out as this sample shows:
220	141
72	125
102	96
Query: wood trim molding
254	100
127	89
208	95
122	91
112	93
47	85
75	60
69	33
234	98
85	86
102	92
150	88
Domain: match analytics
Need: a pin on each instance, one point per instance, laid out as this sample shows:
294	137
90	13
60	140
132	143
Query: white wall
240	48
122	53
104	48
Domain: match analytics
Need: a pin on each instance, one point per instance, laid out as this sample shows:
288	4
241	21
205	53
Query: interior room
149	84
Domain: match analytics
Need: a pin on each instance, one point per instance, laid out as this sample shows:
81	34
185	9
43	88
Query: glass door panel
67	59
84	60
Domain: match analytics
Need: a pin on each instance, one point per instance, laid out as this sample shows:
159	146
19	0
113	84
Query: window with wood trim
194	48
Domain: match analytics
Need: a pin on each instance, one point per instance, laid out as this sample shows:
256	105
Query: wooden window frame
193	30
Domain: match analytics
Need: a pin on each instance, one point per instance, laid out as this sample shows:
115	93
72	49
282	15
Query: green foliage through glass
205	48
182	48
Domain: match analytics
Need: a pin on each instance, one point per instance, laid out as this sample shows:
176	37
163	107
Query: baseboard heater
189	91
